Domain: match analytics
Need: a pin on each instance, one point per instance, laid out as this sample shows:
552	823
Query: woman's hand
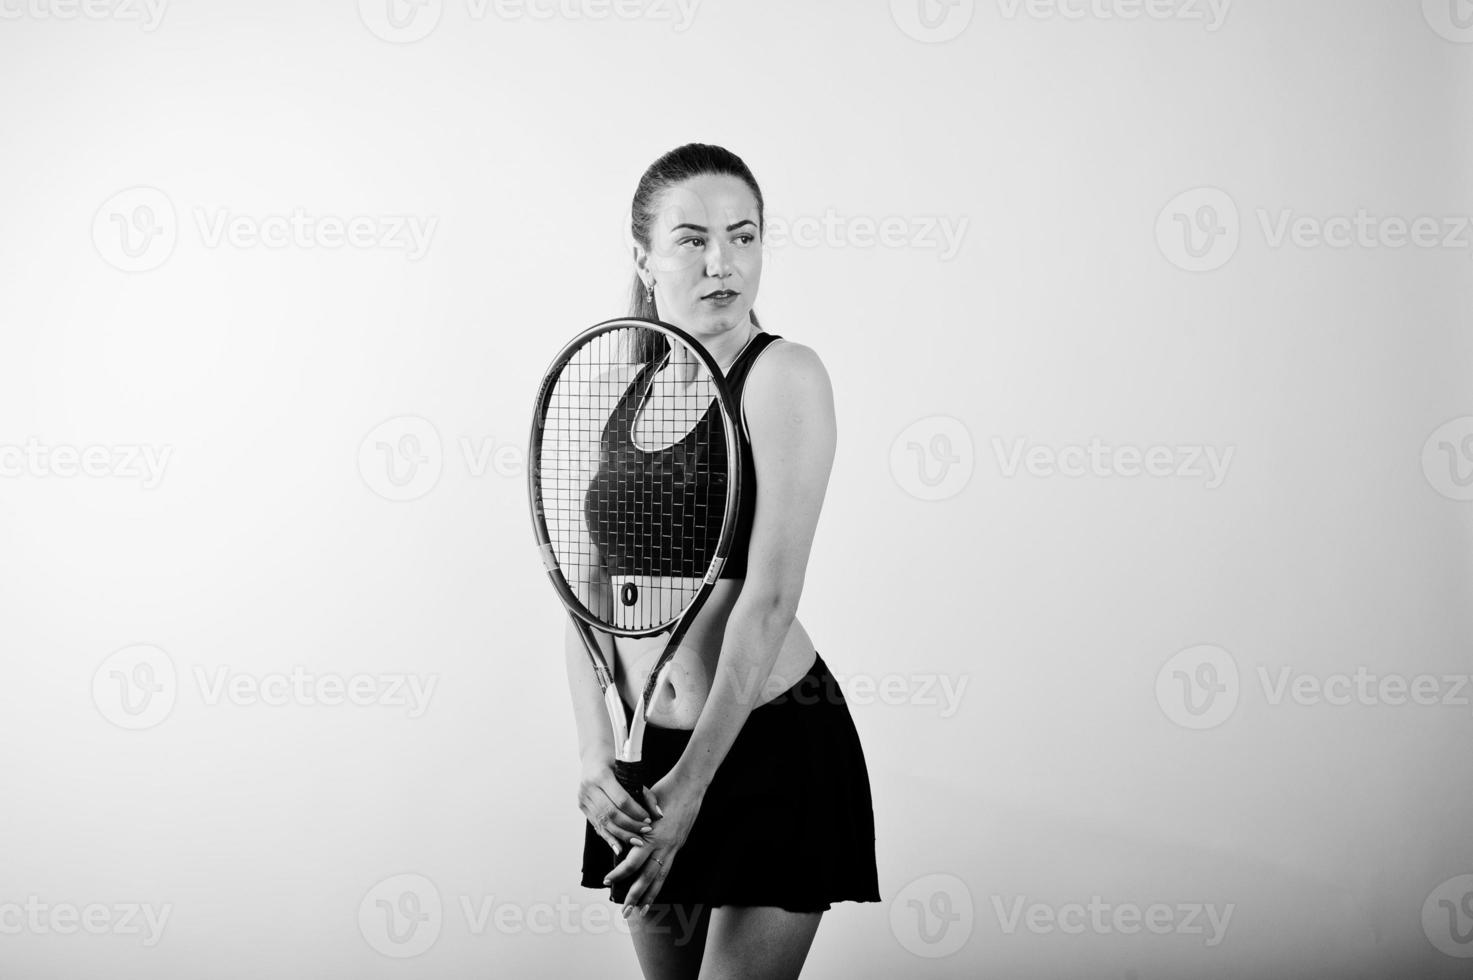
677	801
614	814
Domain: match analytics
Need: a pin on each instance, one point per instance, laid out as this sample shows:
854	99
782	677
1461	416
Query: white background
1060	140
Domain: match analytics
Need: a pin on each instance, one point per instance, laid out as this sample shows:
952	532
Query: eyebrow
733	227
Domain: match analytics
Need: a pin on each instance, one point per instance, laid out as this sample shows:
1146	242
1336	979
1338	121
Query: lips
720	294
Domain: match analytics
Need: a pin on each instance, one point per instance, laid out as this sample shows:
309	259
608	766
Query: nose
718	260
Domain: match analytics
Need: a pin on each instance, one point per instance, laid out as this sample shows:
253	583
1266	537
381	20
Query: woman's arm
790	414
615	815
588	578
595	736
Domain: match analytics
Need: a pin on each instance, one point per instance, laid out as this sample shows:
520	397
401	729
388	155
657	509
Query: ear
642	261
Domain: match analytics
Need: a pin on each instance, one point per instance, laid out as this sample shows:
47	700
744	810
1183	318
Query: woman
760	816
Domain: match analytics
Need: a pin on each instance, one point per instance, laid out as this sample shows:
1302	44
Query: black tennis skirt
787	820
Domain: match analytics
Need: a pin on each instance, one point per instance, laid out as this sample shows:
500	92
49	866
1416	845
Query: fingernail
606	881
635	842
626	911
646	830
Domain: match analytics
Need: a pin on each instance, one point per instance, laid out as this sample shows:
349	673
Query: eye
693	238
746	238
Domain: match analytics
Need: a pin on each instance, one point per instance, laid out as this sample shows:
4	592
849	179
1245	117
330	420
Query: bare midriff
678	701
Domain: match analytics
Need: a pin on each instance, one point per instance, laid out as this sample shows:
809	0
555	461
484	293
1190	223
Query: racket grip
631	776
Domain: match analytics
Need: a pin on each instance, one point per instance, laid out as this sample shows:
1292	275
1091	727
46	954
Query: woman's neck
724	350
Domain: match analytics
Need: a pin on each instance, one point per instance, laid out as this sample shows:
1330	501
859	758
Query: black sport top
630	476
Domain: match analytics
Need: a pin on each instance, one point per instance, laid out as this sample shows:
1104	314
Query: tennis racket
634	476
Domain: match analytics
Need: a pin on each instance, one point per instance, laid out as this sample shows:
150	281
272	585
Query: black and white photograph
736	489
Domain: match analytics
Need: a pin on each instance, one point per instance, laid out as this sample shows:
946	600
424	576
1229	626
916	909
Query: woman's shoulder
788	378
784	363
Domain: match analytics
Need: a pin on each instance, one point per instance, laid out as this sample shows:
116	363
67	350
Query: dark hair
681	163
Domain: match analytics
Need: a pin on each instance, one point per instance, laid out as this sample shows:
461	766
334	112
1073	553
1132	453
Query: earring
649	292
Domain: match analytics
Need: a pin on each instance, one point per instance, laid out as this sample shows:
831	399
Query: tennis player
760	814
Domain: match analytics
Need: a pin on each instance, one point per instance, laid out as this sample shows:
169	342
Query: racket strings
633	476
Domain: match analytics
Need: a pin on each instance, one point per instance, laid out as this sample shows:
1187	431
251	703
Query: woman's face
705	254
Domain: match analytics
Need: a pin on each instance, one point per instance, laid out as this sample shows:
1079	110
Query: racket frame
629	738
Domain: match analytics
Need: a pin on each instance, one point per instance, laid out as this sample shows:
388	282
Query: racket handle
631	776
